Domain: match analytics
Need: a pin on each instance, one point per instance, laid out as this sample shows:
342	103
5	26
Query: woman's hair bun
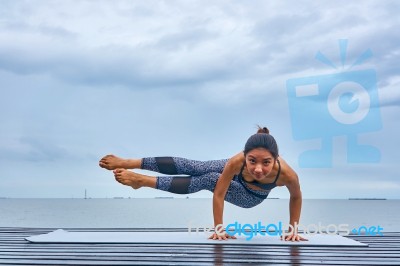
262	139
263	130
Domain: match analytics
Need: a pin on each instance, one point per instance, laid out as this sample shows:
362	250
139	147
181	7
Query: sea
196	213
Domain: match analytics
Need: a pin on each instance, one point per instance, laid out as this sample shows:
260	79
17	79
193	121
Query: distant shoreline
367	199
119	197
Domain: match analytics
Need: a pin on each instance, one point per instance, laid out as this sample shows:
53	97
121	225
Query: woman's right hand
221	236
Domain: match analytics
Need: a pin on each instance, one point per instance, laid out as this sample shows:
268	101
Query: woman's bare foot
133	180
111	162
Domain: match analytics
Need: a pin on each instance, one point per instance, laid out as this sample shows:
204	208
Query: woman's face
259	163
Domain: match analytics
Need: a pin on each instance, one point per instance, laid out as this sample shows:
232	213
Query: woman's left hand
293	237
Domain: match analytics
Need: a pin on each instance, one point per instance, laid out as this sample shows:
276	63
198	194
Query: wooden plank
176	262
14	250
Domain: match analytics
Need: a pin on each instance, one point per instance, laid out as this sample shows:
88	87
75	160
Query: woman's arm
231	168
295	202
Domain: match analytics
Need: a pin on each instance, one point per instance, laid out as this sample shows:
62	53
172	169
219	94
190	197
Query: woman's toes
127	178
104	163
119	170
111	162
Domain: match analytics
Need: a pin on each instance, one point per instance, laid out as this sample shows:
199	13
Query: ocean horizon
167	212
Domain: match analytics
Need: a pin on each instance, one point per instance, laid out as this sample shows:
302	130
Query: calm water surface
180	213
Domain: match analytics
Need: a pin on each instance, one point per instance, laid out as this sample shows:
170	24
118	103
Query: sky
82	79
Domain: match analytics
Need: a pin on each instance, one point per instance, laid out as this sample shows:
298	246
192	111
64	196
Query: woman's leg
182	166
236	193
165	165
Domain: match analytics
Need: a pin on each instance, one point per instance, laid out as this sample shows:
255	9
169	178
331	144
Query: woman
244	180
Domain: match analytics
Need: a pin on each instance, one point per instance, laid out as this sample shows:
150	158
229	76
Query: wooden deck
14	250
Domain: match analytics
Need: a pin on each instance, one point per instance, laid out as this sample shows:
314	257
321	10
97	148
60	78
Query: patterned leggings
201	175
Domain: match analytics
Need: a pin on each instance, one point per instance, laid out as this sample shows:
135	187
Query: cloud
178	49
190	78
389	93
33	150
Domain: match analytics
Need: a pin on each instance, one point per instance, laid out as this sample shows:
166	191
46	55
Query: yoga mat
62	236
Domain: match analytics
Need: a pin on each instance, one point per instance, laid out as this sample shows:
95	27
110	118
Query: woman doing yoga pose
244	180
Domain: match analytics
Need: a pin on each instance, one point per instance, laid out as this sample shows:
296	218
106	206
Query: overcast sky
81	79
